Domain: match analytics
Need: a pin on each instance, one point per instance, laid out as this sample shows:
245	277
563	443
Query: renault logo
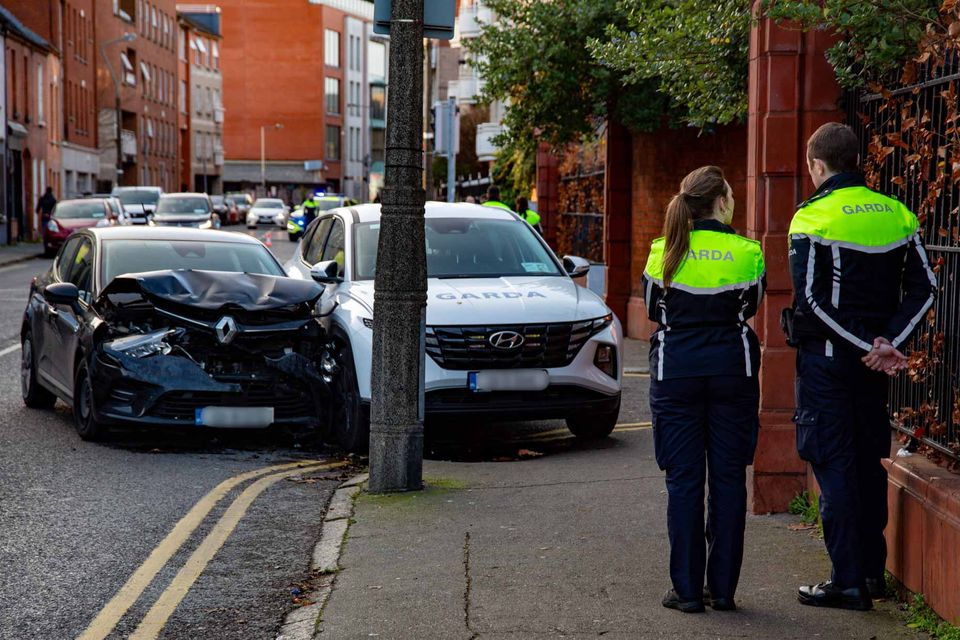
506	340
226	330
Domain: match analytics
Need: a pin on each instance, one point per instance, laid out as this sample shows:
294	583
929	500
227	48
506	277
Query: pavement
543	537
14	253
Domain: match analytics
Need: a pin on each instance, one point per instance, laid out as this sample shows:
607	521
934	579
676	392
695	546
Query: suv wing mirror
326	272
576	266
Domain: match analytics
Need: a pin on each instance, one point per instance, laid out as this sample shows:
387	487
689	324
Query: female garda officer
702	282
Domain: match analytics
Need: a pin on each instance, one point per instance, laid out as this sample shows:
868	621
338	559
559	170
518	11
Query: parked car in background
68	216
509	335
296	219
116	207
166	327
243	201
186	210
139	203
269	211
226	209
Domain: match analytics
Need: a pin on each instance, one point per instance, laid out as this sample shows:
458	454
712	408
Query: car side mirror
65	293
575	266
326	272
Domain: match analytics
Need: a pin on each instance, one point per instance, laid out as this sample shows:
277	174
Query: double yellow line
153	623
560	434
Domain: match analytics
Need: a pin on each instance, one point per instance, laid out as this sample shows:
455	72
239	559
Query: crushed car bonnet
212	290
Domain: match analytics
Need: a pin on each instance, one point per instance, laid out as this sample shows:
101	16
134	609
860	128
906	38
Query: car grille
544	346
182	405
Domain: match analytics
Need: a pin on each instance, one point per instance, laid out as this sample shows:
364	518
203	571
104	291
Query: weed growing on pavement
432	486
922	618
808	508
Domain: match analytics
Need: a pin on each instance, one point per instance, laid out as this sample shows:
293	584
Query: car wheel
293	236
350	418
594	426
83	417
48	251
34	396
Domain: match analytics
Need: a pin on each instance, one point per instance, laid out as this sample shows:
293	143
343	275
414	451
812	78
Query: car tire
350	419
594	426
88	428
293	236
34	396
48	251
251	226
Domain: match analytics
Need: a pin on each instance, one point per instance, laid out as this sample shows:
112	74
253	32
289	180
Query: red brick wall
80	72
660	161
273	71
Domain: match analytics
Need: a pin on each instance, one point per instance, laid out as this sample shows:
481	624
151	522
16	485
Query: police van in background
509	334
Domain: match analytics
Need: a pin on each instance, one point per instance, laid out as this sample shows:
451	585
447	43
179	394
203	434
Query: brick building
296	80
80	159
201	112
32	69
139	39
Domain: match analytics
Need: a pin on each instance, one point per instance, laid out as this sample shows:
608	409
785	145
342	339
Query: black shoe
826	594
718	604
877	588
673	601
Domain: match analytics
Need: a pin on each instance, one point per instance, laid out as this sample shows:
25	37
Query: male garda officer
862	284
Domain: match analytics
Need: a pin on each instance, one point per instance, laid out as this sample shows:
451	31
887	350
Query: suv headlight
143	345
602	323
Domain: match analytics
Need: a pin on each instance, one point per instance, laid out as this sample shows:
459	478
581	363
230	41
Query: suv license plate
508	380
234	417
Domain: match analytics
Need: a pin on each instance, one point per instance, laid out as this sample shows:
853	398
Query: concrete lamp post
400	288
263	153
126	37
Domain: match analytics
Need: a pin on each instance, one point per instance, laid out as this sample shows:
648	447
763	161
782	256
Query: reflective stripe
663	339
851	245
739	286
828	349
830	322
835	292
926	306
746	351
648	293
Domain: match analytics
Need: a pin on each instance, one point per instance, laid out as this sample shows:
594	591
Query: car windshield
238	199
138	256
84	209
326	205
466	248
217	199
268	204
138	196
193	205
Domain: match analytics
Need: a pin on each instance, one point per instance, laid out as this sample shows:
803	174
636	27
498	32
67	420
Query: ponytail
698	192
677	226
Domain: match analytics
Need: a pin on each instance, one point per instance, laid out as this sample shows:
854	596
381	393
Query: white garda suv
509	335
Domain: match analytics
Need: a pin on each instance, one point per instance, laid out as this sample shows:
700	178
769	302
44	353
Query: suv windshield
83	209
193	205
466	248
138	196
138	256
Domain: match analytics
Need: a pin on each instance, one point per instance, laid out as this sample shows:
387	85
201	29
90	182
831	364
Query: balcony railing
486	132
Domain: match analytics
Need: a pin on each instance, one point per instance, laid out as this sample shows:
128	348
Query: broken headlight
143	345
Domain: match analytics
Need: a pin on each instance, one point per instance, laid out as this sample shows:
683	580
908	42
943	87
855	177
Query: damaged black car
174	327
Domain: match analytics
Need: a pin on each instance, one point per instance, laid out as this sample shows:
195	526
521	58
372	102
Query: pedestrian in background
531	217
701	283
310	207
46	203
862	285
493	198
470	200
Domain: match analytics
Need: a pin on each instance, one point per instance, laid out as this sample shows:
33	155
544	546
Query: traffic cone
269	240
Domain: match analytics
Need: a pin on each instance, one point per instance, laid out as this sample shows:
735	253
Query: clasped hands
885	357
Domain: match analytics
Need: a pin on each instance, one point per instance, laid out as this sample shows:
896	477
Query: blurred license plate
509	380
235	417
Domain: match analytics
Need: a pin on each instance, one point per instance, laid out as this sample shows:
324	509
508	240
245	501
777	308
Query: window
216	55
313	249
183	96
40	113
201	50
129	72
145	72
331	47
126	9
80	269
333	249
332	147
331	91
378	102
377	61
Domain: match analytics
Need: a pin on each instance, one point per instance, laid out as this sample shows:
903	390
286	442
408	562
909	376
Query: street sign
439	18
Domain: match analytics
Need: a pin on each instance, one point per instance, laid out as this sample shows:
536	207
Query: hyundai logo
506	340
226	329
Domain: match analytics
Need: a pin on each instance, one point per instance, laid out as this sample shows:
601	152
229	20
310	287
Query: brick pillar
548	181
792	92
617	201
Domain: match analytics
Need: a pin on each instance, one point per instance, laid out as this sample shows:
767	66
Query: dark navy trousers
705	431
843	430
